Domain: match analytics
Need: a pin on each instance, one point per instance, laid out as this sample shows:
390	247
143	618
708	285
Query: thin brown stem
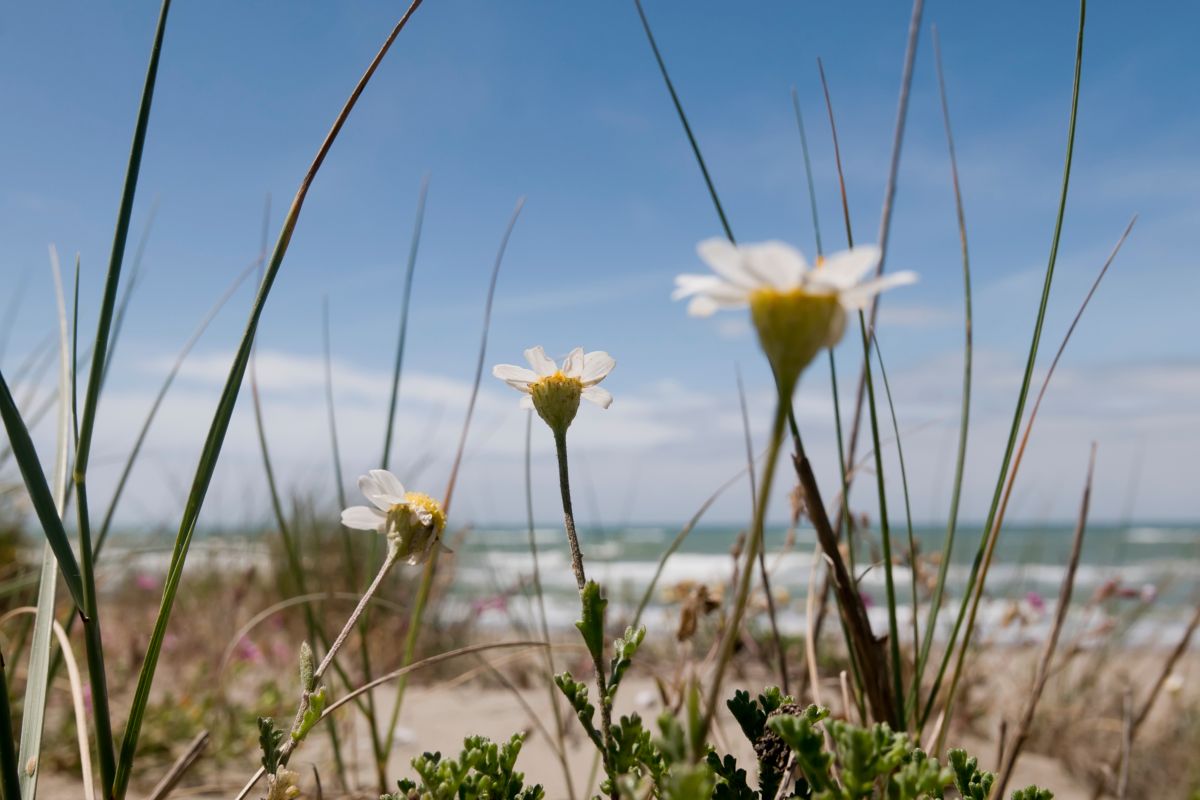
1013	750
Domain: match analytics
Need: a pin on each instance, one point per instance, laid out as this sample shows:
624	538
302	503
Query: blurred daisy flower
554	391
412	521
797	310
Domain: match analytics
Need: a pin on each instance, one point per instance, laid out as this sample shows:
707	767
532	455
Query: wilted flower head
283	785
797	310
412	521
554	391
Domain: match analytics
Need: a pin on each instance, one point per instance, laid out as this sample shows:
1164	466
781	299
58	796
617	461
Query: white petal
596	366
726	260
527	402
517	377
689	284
542	364
860	296
600	397
775	264
727	293
573	365
845	269
363	518
702	306
382	488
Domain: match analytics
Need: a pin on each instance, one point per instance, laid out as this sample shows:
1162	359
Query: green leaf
1032	793
577	696
591	626
269	738
731	781
971	782
624	649
312	714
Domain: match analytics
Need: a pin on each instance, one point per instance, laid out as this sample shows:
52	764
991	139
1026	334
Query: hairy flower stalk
413	523
797	312
554	393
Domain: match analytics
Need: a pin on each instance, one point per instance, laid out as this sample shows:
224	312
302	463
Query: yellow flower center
419	501
556	398
793	326
412	539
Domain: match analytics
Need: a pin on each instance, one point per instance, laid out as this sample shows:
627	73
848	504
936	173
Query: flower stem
733	625
564	484
306	691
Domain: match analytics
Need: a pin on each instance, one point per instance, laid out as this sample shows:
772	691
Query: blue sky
562	103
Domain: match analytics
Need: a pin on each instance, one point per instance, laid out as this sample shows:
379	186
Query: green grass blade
687	128
135	273
808	173
294	566
935	600
993	533
220	425
912	545
777	639
418	611
1027	377
11	308
39	493
92	633
168	381
407	296
38	681
885	533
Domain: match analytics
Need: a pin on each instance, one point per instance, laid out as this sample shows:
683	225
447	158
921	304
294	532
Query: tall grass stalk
1027	377
417	615
11	309
780	649
1017	741
998	523
833	379
687	128
122	308
315	630
676	543
939	587
733	625
885	216
93	638
351	565
885	535
409	271
220	425
37	682
168	381
912	544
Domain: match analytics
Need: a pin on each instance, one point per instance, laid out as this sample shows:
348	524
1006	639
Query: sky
561	104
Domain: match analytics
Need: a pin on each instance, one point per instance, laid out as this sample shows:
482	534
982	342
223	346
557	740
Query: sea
1139	581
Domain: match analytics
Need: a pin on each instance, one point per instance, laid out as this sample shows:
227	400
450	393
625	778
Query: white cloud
661	448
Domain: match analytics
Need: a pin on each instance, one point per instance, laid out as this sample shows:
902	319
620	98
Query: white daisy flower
555	391
412	521
797	310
